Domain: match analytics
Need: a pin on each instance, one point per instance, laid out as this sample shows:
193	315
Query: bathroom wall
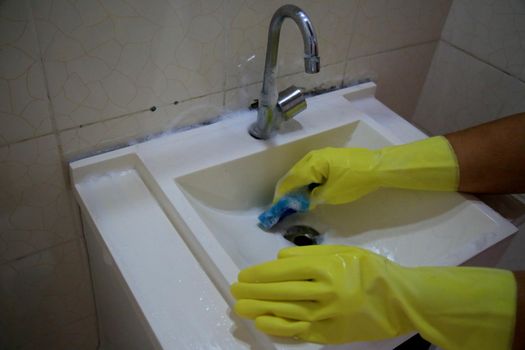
478	75
478	70
79	76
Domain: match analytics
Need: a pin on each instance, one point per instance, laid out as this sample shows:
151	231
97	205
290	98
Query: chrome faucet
275	108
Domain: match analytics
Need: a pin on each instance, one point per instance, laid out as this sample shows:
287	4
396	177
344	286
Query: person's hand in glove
340	294
346	174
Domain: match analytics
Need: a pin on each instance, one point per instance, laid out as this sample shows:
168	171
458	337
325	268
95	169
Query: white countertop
178	300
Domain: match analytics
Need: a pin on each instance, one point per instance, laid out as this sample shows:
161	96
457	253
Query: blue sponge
297	201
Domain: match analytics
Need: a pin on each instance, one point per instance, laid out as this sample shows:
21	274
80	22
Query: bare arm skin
491	156
491	159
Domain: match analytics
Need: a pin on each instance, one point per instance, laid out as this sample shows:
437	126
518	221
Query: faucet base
255	132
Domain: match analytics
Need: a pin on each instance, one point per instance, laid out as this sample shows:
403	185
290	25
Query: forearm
519	329
491	159
491	156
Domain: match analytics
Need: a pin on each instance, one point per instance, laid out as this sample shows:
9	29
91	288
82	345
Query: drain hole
301	235
304	240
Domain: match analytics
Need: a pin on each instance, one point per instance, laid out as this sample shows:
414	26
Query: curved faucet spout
311	55
269	117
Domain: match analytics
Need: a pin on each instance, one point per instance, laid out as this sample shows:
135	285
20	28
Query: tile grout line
50	107
347	58
169	104
89	271
148	110
57	132
62	161
140	111
411	117
118	145
41	250
408	46
481	60
27	139
109	119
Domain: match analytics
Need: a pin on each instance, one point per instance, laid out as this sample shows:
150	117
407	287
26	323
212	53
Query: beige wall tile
493	31
34	201
399	75
24	106
42	293
384	25
126	130
105	59
461	91
241	98
329	77
247	33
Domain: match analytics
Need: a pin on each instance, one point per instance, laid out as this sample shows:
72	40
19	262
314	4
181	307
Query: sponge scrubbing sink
297	201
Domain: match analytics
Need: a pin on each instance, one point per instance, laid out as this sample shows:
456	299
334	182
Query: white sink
406	226
212	182
228	197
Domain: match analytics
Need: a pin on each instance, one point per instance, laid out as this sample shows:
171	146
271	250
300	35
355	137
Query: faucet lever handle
290	102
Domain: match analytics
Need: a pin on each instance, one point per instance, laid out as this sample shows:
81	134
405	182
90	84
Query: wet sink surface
402	225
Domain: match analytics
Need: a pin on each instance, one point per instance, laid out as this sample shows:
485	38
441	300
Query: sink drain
302	235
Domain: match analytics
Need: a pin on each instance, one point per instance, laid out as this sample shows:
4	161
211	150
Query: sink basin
206	186
405	226
228	197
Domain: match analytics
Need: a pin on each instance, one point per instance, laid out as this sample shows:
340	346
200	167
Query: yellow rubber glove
340	294
346	174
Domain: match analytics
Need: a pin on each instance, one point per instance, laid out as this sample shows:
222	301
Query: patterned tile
42	293
384	25
329	76
461	91
248	22
399	75
24	106
240	98
493	31
35	206
105	59
121	131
